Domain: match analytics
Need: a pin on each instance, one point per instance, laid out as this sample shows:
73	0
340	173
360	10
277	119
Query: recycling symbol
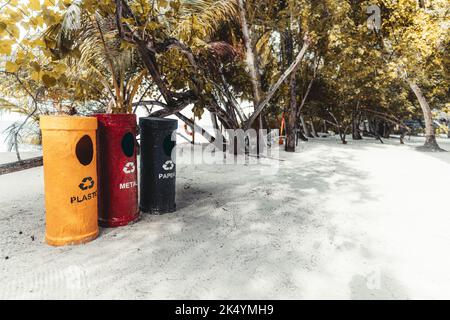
129	168
86	183
168	165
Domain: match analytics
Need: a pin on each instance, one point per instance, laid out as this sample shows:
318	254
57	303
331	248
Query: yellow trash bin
70	176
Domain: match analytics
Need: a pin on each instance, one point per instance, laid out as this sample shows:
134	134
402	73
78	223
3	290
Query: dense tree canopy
317	62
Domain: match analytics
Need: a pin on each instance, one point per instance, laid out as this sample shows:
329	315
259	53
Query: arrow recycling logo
129	168
86	184
168	165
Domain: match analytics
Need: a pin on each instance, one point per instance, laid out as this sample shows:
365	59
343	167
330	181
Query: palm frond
7	105
72	19
28	134
204	16
92	50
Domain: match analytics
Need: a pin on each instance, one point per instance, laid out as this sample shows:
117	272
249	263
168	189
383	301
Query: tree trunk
253	67
195	128
214	121
20	165
387	131
292	68
16	145
305	127
291	116
374	129
313	129
356	134
402	137
430	137
342	134
308	90
291	112
251	60
301	136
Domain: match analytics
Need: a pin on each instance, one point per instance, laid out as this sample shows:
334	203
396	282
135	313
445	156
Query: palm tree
93	43
90	46
23	103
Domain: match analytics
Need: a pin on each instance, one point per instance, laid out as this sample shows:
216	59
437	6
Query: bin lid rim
114	115
64	116
65	122
119	119
155	122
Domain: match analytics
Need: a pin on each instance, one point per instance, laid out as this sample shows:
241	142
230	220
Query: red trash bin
117	169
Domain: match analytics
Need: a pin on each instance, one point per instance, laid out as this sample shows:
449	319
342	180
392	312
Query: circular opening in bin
85	150
168	145
128	144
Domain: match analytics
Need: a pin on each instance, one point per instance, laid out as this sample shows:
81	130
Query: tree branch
277	85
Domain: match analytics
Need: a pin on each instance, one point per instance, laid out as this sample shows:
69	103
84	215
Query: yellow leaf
6	46
35	4
14	31
11	67
36	76
48	80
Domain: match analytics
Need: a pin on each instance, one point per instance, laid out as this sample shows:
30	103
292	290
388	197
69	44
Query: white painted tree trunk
430	136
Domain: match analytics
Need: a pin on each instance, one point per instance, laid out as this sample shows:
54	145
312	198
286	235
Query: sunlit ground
359	221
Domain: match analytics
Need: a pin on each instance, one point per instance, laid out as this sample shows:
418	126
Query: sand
361	221
9	157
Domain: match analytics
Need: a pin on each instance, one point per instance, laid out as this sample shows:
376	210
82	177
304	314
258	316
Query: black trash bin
158	168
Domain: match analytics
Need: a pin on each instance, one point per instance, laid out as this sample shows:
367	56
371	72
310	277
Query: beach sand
361	221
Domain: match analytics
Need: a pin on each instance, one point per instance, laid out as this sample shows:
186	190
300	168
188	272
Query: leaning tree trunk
214	121
251	59
430	137
253	66
305	127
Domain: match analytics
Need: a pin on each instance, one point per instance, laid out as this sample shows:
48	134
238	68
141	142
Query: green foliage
72	54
